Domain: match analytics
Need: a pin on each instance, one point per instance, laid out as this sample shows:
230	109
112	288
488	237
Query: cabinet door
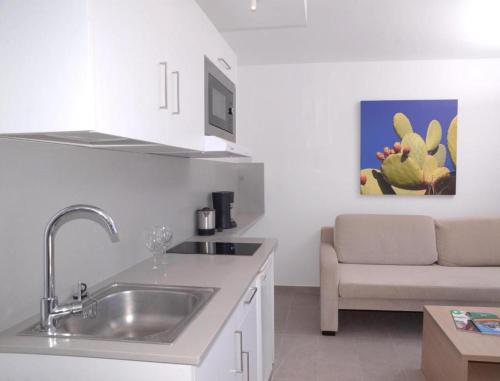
128	39
220	363
186	73
44	68
149	70
192	41
249	342
192	37
218	50
266	320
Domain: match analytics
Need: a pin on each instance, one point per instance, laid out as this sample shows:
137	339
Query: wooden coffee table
451	354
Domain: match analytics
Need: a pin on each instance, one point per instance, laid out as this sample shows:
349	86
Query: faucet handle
81	292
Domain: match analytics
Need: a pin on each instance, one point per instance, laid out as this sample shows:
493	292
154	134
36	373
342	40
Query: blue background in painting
377	129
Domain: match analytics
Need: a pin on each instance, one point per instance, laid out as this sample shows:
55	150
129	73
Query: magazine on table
462	321
482	322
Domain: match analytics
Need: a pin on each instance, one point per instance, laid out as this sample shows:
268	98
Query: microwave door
220	106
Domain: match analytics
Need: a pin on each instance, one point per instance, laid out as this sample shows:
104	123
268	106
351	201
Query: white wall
303	122
138	191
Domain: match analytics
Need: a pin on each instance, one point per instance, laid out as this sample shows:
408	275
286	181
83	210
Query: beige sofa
401	263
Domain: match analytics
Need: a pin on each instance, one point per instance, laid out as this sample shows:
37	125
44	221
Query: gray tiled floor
370	345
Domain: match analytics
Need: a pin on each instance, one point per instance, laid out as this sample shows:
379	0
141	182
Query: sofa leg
328	333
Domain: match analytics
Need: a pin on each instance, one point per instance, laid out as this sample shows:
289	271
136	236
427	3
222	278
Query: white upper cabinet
45	66
107	72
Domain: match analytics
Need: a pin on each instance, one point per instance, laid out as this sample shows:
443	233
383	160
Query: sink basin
133	312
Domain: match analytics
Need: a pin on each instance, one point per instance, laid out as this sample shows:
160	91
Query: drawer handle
247	357
239	348
254	291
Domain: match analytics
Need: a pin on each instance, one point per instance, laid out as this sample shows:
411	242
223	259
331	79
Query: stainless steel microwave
220	102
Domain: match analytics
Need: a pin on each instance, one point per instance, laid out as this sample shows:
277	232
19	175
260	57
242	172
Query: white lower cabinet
221	362
247	332
234	354
265	321
243	350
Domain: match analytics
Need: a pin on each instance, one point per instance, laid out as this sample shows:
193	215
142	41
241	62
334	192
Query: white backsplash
138	191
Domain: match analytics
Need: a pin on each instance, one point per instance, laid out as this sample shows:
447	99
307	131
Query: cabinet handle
247	357
164	86
224	62
177	77
239	348
254	291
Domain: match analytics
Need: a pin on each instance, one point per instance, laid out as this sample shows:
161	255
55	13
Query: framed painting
409	147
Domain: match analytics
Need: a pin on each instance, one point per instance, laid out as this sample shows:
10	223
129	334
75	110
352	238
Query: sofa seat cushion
468	242
433	282
385	239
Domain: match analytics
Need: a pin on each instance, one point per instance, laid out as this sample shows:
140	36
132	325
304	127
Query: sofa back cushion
468	242
385	239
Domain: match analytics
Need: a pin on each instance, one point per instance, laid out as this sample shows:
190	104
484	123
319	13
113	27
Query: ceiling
231	15
357	30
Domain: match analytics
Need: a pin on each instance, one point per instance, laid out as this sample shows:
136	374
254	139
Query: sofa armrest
329	287
327	234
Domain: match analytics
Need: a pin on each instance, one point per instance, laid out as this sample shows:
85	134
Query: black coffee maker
222	204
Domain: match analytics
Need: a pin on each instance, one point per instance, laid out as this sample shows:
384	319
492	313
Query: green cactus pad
402	124
434	134
452	141
430	165
418	148
375	183
403	172
440	155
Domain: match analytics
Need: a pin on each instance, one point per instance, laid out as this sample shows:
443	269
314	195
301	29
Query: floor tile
303	321
379	360
283	299
305	300
415	375
337	360
280	318
277	343
369	346
297	357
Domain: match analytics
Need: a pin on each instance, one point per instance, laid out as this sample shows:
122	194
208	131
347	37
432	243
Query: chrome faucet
50	309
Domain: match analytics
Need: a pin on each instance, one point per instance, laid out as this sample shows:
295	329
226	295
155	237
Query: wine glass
157	241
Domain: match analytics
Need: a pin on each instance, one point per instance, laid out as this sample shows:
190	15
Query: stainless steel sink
133	312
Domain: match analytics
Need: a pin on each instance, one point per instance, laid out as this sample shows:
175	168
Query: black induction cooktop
215	248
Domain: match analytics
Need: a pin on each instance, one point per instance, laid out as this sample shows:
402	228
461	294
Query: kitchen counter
231	274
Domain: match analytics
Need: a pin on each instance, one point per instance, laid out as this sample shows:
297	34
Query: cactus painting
408	147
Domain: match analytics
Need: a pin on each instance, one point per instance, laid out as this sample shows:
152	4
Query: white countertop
231	274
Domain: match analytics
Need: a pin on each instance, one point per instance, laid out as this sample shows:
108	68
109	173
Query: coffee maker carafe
222	204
